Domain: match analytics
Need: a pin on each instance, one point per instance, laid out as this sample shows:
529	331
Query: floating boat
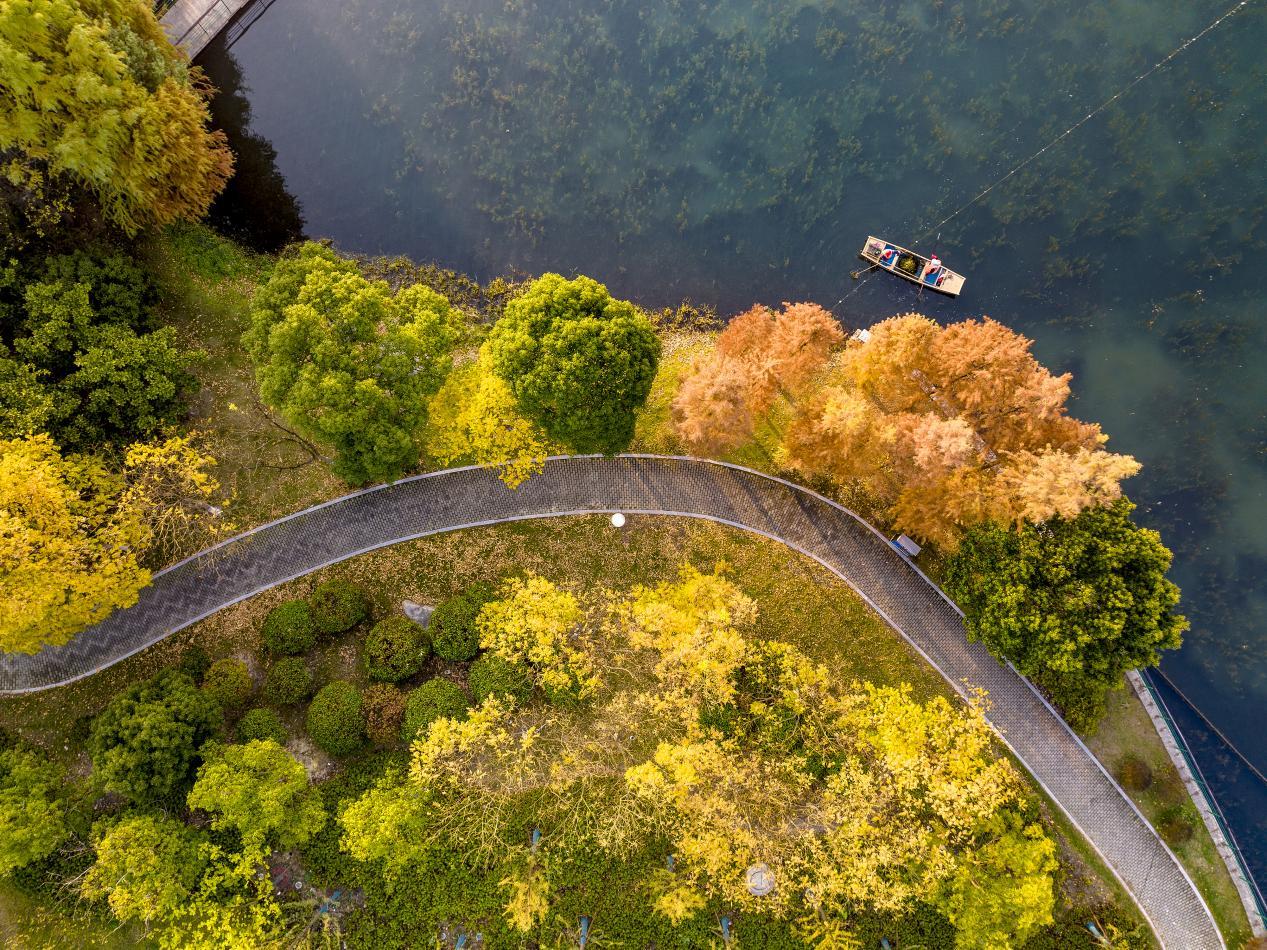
916	268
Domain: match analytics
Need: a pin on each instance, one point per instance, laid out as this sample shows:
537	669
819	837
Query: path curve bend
803	520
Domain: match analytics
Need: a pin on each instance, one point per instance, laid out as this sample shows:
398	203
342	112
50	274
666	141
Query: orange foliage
950	427
760	355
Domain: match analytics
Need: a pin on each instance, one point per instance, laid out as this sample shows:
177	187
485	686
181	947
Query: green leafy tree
579	362
92	91
104	380
126	386
193	894
261	791
336	721
1001	892
147	868
26	404
32	817
1073	603
146	743
347	362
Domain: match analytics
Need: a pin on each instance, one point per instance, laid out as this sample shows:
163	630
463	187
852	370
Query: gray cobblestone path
805	521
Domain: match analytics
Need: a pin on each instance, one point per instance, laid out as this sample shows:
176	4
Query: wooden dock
192	24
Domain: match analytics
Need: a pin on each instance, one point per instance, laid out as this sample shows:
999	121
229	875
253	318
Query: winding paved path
809	523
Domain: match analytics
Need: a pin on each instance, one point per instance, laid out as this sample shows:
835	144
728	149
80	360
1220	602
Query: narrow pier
192	24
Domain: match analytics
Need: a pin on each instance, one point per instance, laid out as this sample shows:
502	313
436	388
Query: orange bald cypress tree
950	427
761	355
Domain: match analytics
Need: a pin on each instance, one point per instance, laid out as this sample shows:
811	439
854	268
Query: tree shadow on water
255	208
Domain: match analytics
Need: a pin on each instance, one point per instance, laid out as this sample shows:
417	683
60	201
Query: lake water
733	151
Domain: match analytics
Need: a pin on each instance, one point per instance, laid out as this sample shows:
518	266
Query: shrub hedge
338	606
396	649
335	719
288	629
492	675
228	682
261	723
454	636
288	681
435	699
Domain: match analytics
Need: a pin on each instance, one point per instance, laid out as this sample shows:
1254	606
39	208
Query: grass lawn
25	924
1127	730
799	601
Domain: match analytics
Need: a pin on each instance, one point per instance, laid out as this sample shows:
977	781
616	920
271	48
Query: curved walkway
805	521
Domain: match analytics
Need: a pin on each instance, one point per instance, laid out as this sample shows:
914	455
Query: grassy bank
1126	732
799	602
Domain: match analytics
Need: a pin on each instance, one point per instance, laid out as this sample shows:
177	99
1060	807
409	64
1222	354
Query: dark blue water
735	152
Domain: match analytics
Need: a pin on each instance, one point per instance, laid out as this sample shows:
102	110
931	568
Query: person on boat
934	265
887	257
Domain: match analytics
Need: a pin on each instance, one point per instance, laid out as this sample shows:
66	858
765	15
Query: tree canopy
261	791
32	817
88	365
1073	602
761	354
579	362
68	544
74	533
474	418
951	427
146	742
348	363
93	91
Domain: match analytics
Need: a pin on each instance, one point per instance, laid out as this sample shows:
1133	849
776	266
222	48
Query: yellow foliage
69	544
694	624
676	899
537	624
473	418
529	895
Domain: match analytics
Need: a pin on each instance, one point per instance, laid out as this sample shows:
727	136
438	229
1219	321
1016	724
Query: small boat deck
913	267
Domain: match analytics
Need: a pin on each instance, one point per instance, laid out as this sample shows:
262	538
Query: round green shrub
395	649
194	663
288	629
384	706
491	675
1134	774
1175	829
435	699
228	682
338	606
288	681
454	636
335	719
261	723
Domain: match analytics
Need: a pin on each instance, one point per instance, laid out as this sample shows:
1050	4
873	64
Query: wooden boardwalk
192	24
693	488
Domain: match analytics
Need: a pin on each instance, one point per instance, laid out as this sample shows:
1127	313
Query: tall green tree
579	362
347	362
32	817
1073	602
147	868
86	371
261	791
146	743
92	90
